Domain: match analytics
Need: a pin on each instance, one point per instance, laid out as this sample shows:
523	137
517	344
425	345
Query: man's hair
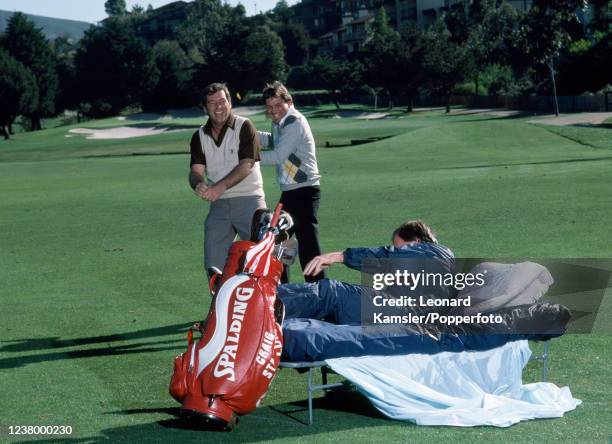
276	89
214	88
415	230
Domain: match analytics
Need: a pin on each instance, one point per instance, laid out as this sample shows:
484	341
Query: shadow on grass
32	344
20	361
543	162
160	153
354	142
52	343
470	118
337	412
343	400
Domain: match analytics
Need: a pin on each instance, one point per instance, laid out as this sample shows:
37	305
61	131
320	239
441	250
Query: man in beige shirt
226	151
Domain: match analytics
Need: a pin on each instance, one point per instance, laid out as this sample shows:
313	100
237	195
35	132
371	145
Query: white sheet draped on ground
457	389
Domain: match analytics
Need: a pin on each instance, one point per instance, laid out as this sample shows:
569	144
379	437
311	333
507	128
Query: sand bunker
587	119
248	110
188	113
122	132
497	112
360	115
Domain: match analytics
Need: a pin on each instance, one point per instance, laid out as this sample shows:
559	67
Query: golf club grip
276	215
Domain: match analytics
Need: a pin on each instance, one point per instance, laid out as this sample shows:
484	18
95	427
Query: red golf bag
229	370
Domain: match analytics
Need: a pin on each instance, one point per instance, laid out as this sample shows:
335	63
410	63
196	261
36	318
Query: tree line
484	47
480	47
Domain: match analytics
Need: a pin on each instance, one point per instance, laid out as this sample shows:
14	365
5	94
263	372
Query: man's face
218	108
277	108
398	241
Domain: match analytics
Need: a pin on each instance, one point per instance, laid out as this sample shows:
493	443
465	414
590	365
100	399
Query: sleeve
265	139
249	142
353	257
288	143
197	155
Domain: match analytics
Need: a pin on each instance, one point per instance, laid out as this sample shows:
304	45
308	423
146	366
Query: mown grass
101	266
598	136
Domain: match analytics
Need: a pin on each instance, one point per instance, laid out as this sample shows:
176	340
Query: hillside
52	27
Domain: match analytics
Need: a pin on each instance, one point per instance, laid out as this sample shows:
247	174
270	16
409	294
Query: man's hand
213	193
200	189
320	263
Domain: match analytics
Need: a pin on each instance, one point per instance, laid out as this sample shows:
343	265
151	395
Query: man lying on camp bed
414	249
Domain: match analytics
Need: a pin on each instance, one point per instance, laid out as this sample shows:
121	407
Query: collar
408	246
290	112
230	123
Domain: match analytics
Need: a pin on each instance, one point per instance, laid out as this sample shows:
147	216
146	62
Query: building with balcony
317	16
349	36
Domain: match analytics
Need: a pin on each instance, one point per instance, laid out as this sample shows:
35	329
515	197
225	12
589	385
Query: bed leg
310	396
324	375
545	361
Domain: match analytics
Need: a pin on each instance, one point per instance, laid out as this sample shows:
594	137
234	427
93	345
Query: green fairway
101	265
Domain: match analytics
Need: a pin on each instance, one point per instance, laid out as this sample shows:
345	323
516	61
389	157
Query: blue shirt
416	257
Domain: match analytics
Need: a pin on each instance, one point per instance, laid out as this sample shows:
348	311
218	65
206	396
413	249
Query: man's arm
290	138
197	166
354	257
320	263
234	177
351	257
248	154
196	179
265	139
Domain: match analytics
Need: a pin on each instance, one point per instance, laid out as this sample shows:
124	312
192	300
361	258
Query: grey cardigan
293	153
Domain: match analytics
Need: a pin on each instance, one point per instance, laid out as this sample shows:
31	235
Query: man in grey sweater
293	152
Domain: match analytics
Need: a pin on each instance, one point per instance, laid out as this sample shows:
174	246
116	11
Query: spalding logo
225	364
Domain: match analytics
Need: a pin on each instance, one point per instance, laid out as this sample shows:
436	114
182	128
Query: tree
245	59
226	45
27	44
282	13
589	55
207	23
457	20
381	51
68	95
297	43
263	59
446	63
18	91
339	77
114	66
484	28
174	67
602	16
138	10
411	58
115	7
547	30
